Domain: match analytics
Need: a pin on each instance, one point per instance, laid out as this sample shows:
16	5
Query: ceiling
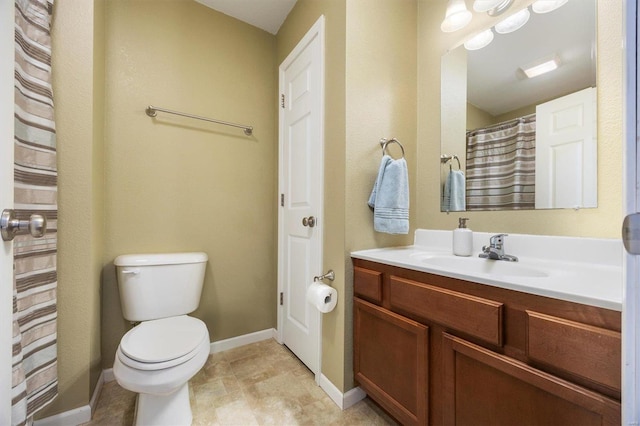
265	14
494	82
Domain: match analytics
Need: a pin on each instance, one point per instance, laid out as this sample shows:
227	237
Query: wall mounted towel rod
152	112
384	142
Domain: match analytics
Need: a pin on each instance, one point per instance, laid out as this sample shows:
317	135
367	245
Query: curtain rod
152	112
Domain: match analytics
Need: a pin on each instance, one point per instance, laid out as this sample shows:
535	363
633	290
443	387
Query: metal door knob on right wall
10	226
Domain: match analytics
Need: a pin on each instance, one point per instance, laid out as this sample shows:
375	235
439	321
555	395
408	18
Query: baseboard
235	342
78	415
352	397
342	400
108	375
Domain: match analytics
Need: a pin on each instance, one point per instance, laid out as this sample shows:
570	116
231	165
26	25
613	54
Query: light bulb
546	6
479	41
456	17
513	22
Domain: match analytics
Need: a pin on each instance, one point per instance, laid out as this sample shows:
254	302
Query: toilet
157	358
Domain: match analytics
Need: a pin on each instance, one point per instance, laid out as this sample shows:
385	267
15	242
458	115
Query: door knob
10	226
309	221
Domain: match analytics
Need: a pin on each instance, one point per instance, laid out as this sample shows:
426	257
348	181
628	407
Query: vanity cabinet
437	350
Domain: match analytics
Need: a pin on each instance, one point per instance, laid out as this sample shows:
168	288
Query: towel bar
152	112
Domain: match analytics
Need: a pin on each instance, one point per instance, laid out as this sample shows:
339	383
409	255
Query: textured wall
604	221
78	81
300	19
175	184
381	99
370	94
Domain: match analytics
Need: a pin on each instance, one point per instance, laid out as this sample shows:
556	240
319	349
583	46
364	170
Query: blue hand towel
389	198
453	198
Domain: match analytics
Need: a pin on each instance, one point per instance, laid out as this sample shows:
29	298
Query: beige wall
176	184
381	86
78	80
604	221
304	14
370	94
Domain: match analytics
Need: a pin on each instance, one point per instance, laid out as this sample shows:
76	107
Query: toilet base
173	409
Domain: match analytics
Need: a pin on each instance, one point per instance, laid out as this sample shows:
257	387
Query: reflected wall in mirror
512	142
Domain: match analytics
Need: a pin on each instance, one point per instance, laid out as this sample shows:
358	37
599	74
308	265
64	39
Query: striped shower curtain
501	166
34	381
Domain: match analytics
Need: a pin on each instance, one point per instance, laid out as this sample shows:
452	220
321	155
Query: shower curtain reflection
501	166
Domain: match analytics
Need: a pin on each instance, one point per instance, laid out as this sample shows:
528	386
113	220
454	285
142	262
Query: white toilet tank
154	286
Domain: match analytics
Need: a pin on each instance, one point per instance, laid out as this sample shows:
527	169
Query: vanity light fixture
542	66
546	6
456	17
480	40
513	22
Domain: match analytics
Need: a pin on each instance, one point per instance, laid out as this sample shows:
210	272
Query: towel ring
384	142
444	159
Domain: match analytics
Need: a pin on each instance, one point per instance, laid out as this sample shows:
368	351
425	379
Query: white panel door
301	187
6	202
566	151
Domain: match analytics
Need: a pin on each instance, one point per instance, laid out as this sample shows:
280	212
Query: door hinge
281	298
281	200
282	100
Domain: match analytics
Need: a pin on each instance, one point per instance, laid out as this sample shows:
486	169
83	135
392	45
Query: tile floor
258	384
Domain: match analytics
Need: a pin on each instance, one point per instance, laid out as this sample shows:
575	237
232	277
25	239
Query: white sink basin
476	265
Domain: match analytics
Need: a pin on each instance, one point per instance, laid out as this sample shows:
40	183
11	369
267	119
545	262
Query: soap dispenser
462	238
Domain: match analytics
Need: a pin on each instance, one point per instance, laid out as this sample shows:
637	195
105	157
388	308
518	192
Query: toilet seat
162	343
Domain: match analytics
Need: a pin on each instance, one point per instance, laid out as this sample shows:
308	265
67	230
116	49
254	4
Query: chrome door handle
309	221
10	226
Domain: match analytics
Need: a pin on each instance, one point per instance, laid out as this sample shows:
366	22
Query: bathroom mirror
522	142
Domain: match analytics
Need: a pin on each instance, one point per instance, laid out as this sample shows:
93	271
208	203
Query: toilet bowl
157	358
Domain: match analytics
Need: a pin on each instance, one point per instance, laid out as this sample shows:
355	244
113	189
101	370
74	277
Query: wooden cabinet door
482	387
390	361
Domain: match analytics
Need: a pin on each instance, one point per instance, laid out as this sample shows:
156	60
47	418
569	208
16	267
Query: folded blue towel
389	198
453	196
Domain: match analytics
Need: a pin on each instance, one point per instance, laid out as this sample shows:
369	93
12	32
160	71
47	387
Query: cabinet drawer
367	284
478	317
590	352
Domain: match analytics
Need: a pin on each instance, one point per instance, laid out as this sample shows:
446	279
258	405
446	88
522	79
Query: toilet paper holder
329	276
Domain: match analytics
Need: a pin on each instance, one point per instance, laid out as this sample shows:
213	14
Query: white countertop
581	270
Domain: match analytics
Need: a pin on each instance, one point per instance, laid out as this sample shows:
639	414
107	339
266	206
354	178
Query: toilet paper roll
322	296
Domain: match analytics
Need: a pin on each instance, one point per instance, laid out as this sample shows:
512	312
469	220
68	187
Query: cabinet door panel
390	361
482	387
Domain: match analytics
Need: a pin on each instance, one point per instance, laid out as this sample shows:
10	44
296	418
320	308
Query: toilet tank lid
160	259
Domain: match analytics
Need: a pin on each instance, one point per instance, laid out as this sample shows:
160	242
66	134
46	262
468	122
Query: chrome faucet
495	249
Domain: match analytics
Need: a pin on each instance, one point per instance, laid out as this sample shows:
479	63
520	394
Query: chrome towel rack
152	112
384	142
444	159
